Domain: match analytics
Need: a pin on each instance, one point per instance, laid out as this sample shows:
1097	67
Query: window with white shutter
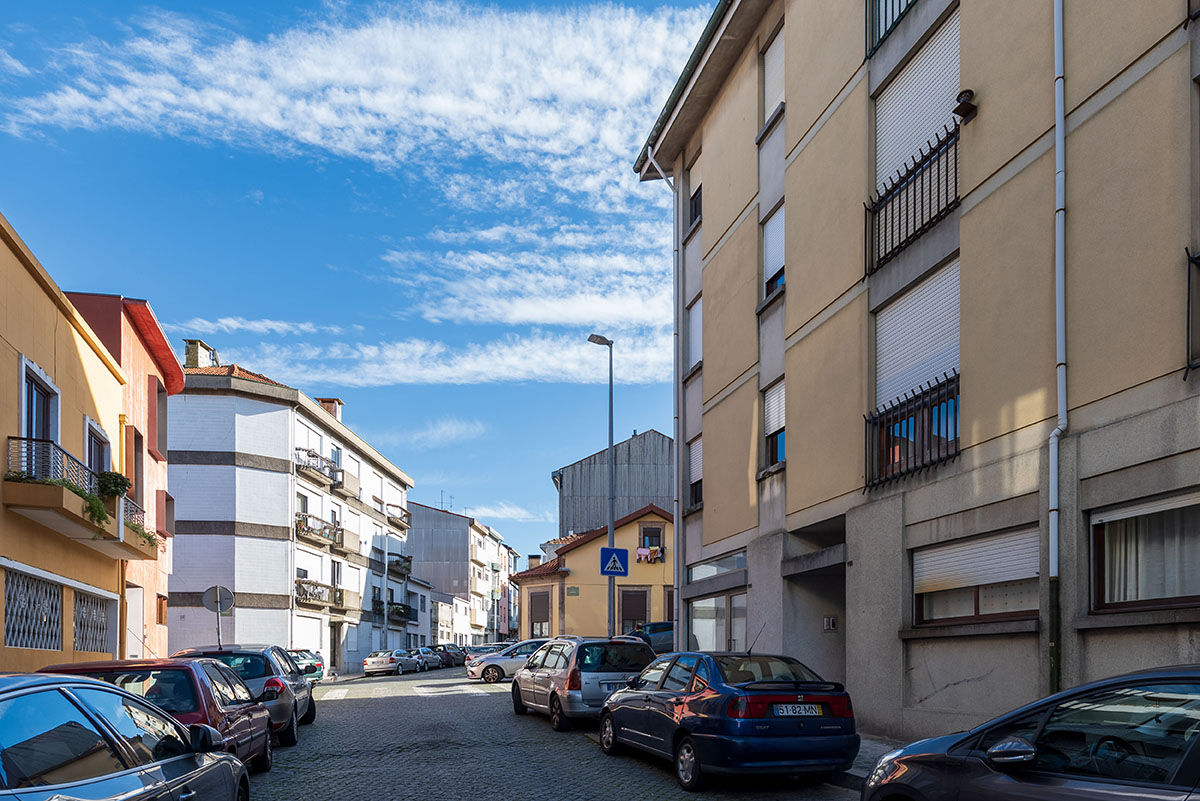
773	422
772	61
695	340
980	577
916	337
773	251
696	471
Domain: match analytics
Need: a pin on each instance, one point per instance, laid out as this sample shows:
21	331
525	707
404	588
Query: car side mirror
204	739
632	682
1011	752
269	694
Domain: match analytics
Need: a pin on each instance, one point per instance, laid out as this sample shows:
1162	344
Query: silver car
503	663
269	667
398	662
569	677
425	657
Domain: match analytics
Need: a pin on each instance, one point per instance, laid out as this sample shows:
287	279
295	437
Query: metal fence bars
32	612
44	460
882	18
913	433
914	201
91	622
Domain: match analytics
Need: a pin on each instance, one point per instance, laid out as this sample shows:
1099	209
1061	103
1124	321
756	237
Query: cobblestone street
439	735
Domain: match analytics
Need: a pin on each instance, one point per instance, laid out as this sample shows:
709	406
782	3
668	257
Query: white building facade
278	500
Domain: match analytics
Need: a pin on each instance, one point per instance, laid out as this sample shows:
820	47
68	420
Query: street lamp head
596	339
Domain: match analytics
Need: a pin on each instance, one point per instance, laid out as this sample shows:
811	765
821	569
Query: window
696	471
149	735
633	608
137	469
221	686
156	413
980	577
700	680
695	193
160	607
680	674
715	567
41	407
301	503
653	674
652	536
422	639
240	691
773	251
669	604
92	622
556	657
422	603
1148	556
335	455
32	612
171	689
164	512
718	623
695	341
97	448
46	740
335	573
772	70
773	422
539	614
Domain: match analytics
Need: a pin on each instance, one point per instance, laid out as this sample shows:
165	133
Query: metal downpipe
1060	343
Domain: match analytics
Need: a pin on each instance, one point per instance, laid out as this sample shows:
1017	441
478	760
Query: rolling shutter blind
773	75
696	459
695	177
773	408
773	250
916	336
306	437
696	332
916	104
633	604
987	560
539	607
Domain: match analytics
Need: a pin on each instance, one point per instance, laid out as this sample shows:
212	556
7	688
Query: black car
457	655
1131	736
78	738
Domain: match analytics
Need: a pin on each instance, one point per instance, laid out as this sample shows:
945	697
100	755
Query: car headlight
882	768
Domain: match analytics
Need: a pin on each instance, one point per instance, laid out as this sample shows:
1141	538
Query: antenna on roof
756	636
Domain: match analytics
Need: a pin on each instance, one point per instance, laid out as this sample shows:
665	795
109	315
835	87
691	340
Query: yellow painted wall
36	320
824	39
731	293
732	433
731	178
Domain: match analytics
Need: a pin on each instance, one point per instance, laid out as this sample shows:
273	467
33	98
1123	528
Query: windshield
741	669
378	653
171	690
607	657
247	666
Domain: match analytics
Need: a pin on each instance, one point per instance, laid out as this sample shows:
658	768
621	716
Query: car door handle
187	795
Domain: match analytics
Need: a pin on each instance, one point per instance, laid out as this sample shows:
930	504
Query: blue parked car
732	713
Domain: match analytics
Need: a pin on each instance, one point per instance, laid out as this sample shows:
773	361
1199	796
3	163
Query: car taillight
758	706
364	661
392	659
575	680
738	708
274	684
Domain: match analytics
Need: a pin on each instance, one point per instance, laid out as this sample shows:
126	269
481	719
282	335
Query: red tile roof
588	536
233	371
544	569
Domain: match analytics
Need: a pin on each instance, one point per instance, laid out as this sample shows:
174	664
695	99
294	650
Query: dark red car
193	691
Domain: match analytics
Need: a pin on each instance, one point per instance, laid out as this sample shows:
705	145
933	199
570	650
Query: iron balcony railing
318	594
307	458
44	460
882	18
914	201
914	433
316	528
396	611
132	512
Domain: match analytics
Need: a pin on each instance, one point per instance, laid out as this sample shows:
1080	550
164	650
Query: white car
397	662
503	663
426	657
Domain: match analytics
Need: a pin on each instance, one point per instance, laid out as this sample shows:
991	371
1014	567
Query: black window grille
916	432
882	18
696	205
914	201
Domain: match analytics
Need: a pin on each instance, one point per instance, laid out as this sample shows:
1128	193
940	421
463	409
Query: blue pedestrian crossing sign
614	561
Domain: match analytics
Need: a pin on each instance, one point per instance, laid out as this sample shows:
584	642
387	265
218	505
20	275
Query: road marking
444	689
335	695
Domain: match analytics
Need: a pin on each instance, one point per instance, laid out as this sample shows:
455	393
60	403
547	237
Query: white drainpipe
1060	326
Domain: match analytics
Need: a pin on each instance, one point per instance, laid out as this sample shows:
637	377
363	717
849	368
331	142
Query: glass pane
737	622
726	564
150	736
45	739
1152	556
680	673
1132	733
1008	596
1025	727
170	690
220	686
707	624
651	675
738	669
700	680
948	604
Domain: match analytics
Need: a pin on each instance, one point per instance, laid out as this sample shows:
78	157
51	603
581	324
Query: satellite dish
217	599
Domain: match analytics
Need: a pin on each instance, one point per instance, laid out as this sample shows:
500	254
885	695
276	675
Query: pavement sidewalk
869	752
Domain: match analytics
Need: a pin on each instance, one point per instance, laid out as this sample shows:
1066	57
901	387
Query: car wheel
687	766
288	735
243	791
608	735
492	674
399	670
558	720
310	714
262	762
519	707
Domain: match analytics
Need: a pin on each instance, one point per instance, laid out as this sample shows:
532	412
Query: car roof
227	648
87	667
10	682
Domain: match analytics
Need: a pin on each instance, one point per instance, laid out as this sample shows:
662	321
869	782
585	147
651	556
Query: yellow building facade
61	554
568	595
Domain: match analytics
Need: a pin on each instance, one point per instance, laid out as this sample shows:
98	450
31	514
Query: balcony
140	542
913	433
479	586
882	18
316	468
317	595
479	618
347	541
398	516
346	484
346	600
317	531
400	566
477	555
397	613
914	201
51	487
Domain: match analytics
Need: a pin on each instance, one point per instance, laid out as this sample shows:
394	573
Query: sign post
220	600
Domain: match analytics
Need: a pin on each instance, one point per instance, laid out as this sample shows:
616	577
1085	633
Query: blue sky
423	209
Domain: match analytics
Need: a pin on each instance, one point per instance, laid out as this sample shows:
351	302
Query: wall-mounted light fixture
966	108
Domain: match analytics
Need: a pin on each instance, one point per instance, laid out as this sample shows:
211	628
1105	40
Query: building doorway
335	646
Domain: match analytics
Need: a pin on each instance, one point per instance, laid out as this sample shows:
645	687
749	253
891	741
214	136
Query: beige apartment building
933	338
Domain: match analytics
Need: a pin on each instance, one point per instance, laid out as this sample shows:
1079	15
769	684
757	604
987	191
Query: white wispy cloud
442	432
642	356
10	65
235	325
509	511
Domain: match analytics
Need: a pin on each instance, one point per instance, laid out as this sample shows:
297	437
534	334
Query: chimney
534	561
198	353
332	405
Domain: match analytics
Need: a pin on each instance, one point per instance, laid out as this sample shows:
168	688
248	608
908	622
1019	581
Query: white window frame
30	369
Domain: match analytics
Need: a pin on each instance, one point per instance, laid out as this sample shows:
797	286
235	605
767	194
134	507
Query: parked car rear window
170	690
607	657
741	669
378	653
247	666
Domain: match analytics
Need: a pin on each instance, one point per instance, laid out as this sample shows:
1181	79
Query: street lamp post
596	339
